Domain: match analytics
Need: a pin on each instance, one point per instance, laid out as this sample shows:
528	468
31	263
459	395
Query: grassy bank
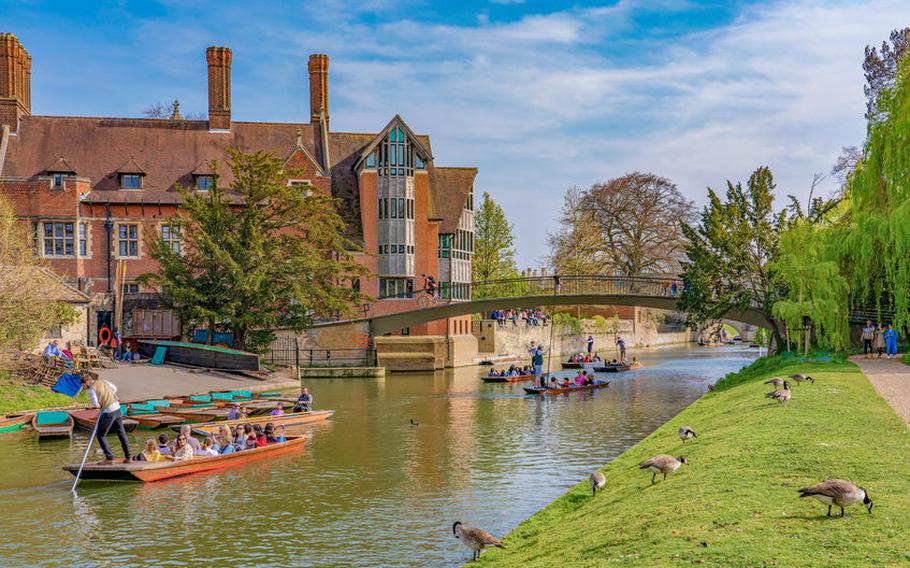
16	396
736	504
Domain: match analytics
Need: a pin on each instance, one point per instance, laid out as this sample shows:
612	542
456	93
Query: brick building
96	189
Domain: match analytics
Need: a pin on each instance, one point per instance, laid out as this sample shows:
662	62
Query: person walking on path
590	344
891	341
103	395
868	332
878	340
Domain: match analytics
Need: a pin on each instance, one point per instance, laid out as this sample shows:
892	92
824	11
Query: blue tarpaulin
68	384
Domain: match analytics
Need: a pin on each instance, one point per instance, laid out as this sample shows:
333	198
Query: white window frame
118	240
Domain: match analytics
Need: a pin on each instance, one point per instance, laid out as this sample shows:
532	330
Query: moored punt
54	424
86	418
574	364
193	415
156	471
14	423
200	355
561	390
148	416
287	420
518	378
611	368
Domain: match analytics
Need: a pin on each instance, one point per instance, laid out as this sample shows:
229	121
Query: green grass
16	396
736	504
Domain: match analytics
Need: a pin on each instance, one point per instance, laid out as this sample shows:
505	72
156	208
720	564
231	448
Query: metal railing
286	352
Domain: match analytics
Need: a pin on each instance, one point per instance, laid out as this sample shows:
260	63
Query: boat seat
53	417
158	402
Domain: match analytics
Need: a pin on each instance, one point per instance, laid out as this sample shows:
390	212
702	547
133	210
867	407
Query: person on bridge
891	341
429	284
104	395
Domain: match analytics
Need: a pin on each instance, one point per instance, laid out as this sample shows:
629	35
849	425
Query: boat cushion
242	394
158	402
48	418
201	397
222	396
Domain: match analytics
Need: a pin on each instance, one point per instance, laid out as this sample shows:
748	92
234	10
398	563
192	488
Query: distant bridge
642	291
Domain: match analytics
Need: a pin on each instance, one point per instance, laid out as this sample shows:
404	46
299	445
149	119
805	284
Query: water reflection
484	454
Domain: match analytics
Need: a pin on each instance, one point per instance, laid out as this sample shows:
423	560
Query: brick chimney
319	86
219	61
15	81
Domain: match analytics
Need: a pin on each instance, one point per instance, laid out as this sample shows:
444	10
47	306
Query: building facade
95	190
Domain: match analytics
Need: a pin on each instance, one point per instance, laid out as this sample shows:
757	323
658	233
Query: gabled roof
130	167
301	148
60	166
421	150
203	168
449	190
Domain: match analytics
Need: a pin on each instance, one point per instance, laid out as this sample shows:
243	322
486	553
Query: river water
368	490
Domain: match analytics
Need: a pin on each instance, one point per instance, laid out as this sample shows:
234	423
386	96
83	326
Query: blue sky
540	96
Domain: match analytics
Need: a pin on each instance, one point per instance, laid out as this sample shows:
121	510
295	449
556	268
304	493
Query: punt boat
86	418
14	423
612	368
201	355
53	424
157	471
561	390
149	418
489	379
574	364
287	420
197	415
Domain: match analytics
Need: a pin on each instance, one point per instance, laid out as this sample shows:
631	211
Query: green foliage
276	260
606	325
774	365
15	396
494	251
567	321
730	252
735	503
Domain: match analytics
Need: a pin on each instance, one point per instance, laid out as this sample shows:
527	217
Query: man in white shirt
103	395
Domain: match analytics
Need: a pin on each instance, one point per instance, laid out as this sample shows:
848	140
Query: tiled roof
450	189
60	166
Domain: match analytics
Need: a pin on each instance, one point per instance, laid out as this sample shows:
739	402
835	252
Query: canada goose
598	481
780	395
475	539
799	378
662	464
686	433
413	423
838	492
775	382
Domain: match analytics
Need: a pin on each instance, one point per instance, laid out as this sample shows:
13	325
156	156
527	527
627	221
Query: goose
775	382
799	378
686	433
662	464
475	539
780	395
414	423
598	481
838	492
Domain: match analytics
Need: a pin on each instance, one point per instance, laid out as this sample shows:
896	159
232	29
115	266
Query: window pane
69	248
69	229
121	231
58	229
134	229
134	249
122	248
401	207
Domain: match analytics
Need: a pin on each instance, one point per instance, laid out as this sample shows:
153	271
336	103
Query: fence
286	351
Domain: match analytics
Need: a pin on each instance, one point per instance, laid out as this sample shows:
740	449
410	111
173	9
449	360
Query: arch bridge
641	291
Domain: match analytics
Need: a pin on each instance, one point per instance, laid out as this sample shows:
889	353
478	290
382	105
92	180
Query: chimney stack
219	61
319	87
15	81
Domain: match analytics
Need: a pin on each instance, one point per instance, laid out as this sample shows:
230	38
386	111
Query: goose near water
475	539
800	378
598	481
780	395
662	464
775	382
838	492
686	433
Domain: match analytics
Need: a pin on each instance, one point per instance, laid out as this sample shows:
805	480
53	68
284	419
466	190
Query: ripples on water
368	490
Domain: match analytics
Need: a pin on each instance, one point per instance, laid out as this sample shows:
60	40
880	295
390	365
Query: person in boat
150	453
103	395
259	434
251	442
164	445
635	362
187	432
566	383
580	378
239	437
279	434
304	401
226	441
270	433
207	449
589	379
537	353
236	413
597	358
183	450
278	410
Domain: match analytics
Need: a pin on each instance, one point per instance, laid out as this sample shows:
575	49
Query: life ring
104	340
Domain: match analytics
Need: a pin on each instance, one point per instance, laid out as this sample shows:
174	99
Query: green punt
14	423
200	355
53	424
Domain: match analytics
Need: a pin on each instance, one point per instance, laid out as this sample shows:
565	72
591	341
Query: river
369	489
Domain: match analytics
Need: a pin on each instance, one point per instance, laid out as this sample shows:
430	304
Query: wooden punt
518	378
149	418
53	424
573	364
14	423
157	471
193	415
561	390
201	355
287	420
86	418
611	368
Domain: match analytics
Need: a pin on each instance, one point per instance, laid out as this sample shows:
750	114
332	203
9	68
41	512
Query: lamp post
109	228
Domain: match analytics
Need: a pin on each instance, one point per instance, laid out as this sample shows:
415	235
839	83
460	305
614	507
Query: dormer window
130	181
58	181
204	182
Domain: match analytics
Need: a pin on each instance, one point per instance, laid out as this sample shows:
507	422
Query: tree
170	112
845	164
637	223
728	266
257	256
494	250
572	247
881	68
25	311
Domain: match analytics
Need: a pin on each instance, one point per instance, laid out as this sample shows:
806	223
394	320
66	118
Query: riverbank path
891	379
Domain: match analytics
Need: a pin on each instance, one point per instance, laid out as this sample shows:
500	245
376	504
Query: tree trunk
211	336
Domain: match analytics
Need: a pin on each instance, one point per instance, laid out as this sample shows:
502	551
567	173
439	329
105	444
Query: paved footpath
891	379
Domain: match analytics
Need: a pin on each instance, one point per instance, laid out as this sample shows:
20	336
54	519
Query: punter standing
103	394
536	352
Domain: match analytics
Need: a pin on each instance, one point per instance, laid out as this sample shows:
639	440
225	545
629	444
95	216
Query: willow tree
258	255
